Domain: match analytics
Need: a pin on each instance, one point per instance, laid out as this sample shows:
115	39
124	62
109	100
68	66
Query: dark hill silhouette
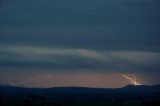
142	95
128	88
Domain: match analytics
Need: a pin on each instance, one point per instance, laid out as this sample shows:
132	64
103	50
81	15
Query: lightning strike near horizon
11	83
35	79
132	79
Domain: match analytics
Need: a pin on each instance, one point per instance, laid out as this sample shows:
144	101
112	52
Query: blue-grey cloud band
79	59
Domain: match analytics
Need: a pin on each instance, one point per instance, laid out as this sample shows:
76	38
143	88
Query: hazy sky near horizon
47	43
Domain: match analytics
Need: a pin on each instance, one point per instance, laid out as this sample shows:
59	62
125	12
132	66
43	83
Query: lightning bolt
35	79
131	79
22	82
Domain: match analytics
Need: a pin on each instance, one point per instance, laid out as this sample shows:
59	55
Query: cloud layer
67	59
80	35
110	25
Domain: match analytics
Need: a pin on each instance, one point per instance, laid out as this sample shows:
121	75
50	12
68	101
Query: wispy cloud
79	59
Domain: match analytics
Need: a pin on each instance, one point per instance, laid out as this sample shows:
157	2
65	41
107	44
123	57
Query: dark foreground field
79	96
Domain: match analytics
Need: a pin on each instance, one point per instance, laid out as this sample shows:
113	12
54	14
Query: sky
91	43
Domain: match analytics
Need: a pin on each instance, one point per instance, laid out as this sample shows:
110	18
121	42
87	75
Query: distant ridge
127	89
129	86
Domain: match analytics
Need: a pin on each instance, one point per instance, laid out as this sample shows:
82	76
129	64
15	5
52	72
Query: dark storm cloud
124	25
77	59
100	36
110	35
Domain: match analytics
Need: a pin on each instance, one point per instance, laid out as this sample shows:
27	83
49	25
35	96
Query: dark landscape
79	52
80	96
